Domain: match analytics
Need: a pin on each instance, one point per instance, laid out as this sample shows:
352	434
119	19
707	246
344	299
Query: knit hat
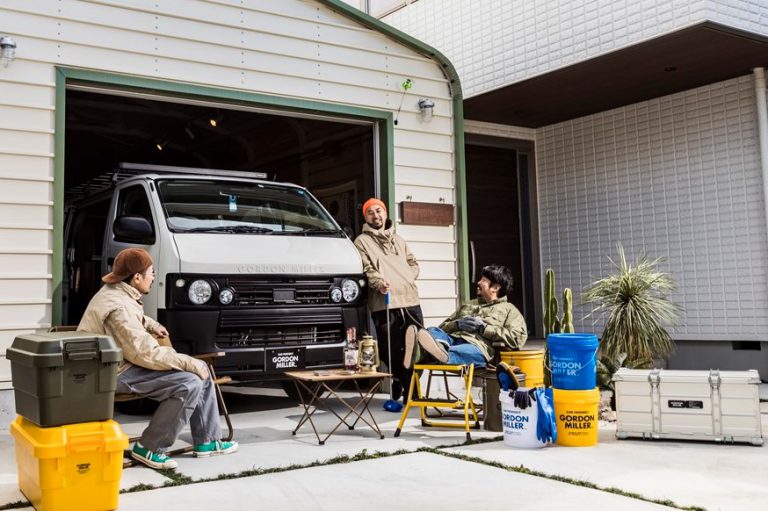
128	262
373	201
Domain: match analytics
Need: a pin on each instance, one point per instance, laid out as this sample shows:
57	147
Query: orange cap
373	201
128	262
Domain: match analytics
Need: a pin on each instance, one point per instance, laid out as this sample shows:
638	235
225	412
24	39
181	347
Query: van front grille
281	336
250	292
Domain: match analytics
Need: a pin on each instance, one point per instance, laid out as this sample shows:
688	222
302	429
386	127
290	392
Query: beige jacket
116	310
386	258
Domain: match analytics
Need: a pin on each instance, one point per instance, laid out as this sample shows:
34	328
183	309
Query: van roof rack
134	169
126	170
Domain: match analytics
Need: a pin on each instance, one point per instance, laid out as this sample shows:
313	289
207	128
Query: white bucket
519	426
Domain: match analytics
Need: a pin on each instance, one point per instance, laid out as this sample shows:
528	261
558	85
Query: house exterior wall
494	43
295	49
677	176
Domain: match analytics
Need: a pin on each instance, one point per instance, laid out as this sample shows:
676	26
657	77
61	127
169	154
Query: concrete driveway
429	468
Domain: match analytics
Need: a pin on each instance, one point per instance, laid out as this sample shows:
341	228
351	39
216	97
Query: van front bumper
257	342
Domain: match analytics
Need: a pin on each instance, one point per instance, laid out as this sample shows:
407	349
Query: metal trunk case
720	406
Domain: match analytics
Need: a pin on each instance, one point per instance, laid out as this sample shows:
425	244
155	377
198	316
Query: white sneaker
431	346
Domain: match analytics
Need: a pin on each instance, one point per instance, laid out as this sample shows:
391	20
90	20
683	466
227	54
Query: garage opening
332	157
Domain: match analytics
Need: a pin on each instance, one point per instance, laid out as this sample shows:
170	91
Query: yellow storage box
76	467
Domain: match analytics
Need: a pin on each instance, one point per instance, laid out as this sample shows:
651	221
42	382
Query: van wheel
290	389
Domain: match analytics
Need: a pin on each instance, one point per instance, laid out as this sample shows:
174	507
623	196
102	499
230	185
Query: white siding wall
297	49
678	177
493	43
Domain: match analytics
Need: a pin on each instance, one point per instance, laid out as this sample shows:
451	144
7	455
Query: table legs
317	401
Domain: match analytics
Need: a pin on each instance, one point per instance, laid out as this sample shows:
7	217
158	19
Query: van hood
257	254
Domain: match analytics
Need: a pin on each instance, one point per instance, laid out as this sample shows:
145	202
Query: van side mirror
133	229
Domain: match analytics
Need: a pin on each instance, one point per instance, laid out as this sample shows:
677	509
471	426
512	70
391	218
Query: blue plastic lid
576	340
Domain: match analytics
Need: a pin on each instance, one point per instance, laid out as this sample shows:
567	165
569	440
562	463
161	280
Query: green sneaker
152	459
213	448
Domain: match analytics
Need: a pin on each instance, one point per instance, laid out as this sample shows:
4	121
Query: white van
256	269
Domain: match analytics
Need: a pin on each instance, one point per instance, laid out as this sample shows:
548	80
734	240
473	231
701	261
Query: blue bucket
573	361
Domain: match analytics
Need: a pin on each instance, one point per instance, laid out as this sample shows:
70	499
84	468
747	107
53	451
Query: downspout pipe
762	129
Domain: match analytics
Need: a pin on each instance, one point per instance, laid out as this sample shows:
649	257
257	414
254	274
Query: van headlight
350	290
226	296
199	292
335	295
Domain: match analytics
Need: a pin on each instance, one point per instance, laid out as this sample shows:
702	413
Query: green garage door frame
382	119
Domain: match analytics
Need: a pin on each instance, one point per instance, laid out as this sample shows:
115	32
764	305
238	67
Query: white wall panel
26	167
25	117
18	189
31	239
25	141
40	214
677	177
433	251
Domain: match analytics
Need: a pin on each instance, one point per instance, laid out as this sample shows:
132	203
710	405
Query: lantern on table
368	355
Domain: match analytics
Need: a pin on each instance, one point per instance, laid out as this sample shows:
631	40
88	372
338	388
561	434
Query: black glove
522	399
470	324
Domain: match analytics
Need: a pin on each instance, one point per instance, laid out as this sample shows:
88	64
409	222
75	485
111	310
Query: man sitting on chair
180	383
467	336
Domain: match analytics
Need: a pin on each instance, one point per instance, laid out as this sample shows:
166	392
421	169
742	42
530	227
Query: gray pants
183	397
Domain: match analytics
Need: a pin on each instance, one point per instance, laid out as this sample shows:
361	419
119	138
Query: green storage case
64	378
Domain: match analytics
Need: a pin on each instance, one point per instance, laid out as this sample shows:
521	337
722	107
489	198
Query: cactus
553	324
549	294
566	325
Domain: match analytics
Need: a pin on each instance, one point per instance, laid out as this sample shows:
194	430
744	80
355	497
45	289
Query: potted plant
634	304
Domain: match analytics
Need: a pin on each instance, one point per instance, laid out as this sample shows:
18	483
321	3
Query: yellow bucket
531	362
576	414
75	466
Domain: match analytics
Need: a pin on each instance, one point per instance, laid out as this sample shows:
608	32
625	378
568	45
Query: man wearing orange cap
180	383
390	268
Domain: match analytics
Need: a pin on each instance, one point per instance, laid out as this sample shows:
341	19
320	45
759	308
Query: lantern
368	355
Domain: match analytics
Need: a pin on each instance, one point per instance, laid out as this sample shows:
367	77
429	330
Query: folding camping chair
209	359
420	398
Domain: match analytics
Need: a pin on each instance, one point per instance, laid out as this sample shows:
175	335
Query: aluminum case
718	406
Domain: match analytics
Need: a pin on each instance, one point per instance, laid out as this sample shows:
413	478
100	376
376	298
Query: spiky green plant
634	304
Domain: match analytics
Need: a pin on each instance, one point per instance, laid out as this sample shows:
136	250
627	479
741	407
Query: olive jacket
504	323
386	258
116	310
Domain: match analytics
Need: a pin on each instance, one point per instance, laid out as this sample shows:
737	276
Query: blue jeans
459	350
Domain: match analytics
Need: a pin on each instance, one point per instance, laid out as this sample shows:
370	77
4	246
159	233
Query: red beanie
373	201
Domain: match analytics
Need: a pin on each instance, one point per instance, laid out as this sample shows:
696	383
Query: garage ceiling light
216	120
7	50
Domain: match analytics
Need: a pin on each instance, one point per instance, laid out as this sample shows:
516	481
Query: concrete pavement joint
16	505
577	482
178	479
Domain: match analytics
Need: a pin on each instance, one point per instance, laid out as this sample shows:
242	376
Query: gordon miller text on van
281	268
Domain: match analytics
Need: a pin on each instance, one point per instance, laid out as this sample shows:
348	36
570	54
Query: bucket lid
53	348
578	340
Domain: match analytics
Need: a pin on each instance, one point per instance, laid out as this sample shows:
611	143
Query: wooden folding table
315	383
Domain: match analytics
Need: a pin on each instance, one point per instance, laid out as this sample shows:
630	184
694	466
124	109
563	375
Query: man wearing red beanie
389	267
180	383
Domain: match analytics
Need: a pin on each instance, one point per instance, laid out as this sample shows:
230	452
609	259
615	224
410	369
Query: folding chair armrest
210	356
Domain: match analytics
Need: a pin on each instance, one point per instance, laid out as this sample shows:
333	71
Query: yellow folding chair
420	398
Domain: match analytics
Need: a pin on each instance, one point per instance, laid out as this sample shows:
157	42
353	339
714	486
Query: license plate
285	359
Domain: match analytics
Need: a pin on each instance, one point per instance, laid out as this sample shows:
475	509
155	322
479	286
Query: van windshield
193	205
